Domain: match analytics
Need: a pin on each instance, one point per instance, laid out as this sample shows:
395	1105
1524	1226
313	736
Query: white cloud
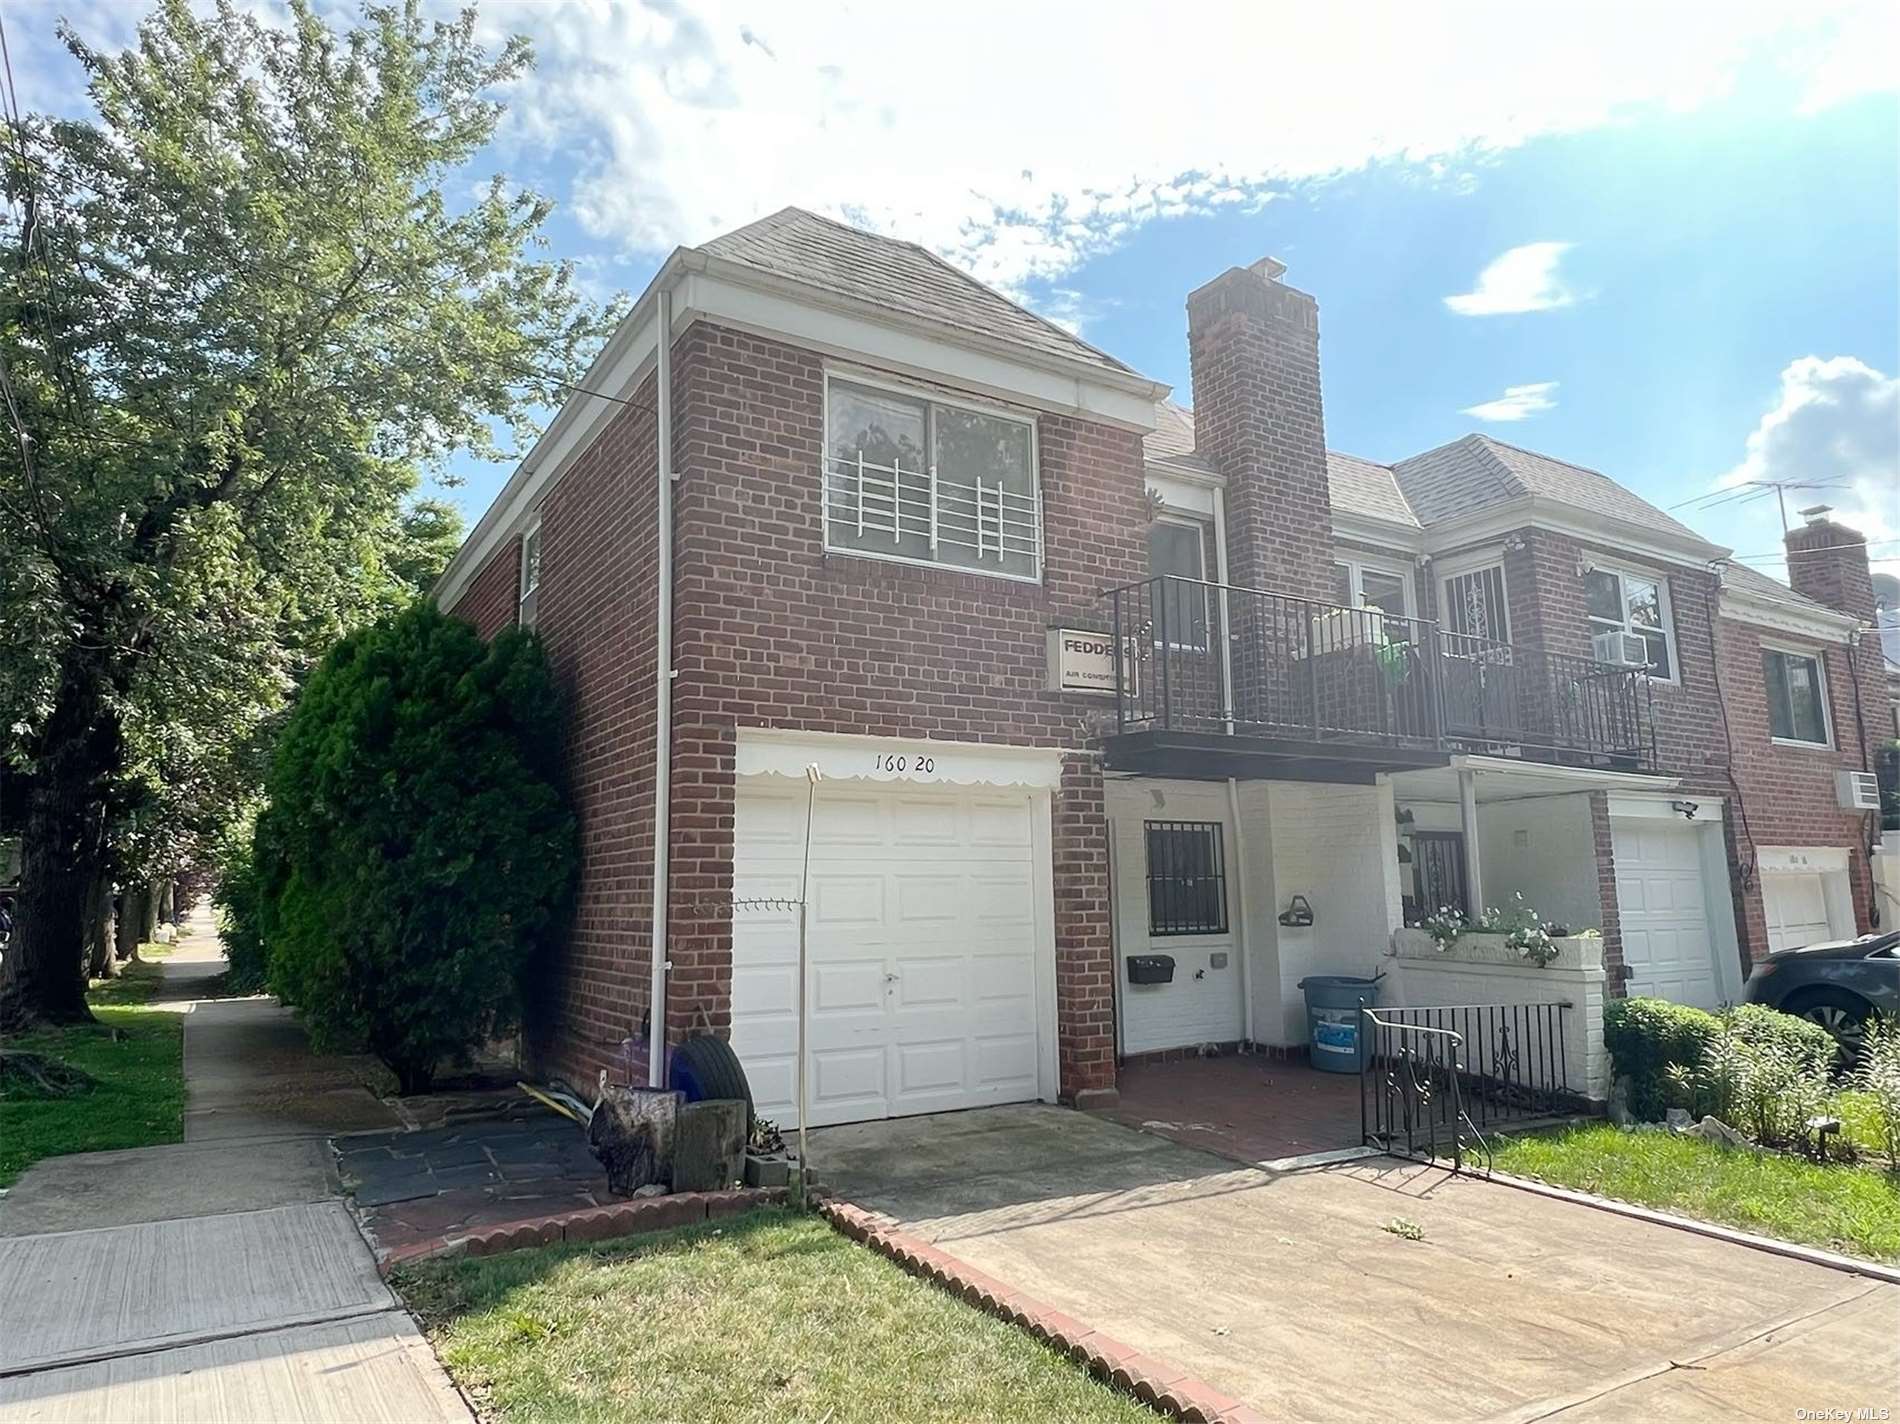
1835	429
1517	402
1524	279
1018	142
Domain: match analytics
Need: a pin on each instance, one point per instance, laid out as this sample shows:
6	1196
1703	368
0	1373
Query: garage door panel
999	823
845	1082
929	898
924	949
934	1066
1795	905
1006	1061
1663	907
844	987
923	820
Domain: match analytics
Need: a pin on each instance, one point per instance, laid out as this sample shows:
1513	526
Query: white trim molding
841	756
1798	860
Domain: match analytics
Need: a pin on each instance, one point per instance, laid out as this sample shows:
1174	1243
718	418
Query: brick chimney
1253	347
1828	563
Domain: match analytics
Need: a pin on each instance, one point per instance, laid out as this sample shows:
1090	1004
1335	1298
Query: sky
1662	241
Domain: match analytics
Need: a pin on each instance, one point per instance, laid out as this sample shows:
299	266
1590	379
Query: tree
416	847
248	299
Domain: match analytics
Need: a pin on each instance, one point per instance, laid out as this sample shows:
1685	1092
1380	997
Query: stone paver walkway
218	1279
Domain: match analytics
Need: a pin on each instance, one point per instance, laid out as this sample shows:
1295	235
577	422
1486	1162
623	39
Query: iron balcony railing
1556	707
1193	656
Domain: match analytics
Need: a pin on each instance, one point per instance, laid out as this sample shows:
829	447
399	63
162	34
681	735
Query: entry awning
1509	779
766	751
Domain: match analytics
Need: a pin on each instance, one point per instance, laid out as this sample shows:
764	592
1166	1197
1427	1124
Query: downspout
662	695
1242	944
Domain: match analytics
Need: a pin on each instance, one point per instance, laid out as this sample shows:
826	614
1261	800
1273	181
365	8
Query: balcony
1216	681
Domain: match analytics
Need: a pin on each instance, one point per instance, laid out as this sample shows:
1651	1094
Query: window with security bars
1187	878
928	482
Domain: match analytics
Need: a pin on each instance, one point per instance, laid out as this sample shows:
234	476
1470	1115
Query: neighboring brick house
1098	700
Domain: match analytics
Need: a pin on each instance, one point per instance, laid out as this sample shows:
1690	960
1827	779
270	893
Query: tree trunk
43	979
132	903
100	931
62	851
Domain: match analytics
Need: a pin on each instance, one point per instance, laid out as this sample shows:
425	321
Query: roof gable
897	275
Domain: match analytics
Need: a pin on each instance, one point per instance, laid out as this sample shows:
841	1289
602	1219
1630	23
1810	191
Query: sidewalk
219	1279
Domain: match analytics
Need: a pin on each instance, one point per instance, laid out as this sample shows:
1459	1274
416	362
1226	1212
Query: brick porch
1248	1107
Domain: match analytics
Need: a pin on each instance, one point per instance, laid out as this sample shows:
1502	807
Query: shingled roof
1755	584
1478	472
899	276
1359	486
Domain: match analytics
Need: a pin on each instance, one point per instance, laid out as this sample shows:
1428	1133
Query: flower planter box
1573	951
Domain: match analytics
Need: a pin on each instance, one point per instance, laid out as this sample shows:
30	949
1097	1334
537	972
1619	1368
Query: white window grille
924	481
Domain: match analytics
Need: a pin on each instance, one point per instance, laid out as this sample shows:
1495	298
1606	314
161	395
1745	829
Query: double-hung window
1622	602
530	575
927	481
1797	697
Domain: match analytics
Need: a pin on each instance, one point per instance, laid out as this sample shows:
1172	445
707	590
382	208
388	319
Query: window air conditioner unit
1621	649
1857	790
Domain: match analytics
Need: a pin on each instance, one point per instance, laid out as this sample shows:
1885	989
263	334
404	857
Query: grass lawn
136	1055
771	1316
1855	1210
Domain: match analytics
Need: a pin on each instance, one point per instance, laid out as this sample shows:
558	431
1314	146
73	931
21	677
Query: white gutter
662	696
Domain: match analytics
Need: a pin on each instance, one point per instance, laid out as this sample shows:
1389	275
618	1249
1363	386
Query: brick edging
1161	1385
593	1223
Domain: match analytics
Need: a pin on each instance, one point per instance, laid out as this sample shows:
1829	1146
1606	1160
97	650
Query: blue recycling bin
1334	1028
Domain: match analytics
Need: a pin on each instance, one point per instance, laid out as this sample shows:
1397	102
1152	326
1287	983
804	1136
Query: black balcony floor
1216	756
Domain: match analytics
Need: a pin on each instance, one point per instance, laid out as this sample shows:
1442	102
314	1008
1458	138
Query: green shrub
416	849
1878	1076
1788	1034
1759	1077
1646	1038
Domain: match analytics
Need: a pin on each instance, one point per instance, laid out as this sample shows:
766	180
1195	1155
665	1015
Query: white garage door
1664	912
1796	907
924	945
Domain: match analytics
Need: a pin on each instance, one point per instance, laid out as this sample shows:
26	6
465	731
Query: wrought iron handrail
1420	1088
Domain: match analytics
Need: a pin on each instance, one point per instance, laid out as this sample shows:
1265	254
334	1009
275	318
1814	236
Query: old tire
705	1068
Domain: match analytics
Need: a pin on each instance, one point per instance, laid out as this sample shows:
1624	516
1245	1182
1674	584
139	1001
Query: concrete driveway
1288	1291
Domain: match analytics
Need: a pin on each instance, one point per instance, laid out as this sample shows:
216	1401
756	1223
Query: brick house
1101	693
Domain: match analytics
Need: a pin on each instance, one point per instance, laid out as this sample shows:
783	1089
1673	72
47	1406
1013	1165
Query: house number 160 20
922	765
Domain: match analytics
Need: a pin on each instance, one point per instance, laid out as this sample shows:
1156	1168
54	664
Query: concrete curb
1813	1255
596	1223
1158	1384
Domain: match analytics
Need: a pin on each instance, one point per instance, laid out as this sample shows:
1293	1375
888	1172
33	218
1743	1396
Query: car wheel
1842	1014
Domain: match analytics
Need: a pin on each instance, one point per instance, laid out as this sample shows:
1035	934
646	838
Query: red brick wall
595	610
492	598
1778	795
772	631
1788	793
